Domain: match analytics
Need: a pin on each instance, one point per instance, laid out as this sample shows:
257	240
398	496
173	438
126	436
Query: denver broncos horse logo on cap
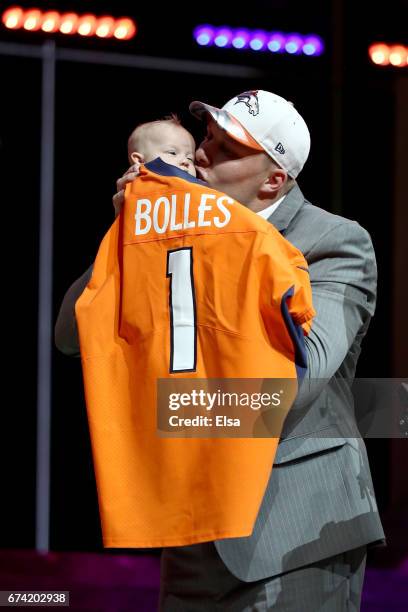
250	99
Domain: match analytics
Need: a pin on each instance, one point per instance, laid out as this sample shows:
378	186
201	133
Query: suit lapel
285	212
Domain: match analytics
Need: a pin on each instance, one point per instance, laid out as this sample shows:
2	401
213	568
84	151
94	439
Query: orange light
104	27
68	23
16	17
32	20
398	56
86	25
384	55
50	21
13	17
379	54
124	29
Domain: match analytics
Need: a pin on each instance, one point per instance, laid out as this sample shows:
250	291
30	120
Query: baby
165	138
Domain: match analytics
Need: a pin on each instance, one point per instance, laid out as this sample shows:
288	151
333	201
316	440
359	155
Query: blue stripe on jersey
158	166
297	336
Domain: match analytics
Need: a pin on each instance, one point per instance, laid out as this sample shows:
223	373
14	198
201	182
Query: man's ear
137	157
274	182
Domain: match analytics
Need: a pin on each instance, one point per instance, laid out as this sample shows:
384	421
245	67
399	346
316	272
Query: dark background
96	108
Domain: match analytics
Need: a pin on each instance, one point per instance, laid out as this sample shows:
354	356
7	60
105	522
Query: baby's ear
137	157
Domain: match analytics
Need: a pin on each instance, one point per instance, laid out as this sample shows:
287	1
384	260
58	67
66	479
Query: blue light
256	44
294	44
221	40
203	39
258	40
291	47
203	35
238	42
313	45
240	39
309	49
274	46
276	42
223	37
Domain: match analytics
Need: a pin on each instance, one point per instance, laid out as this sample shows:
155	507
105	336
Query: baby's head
166	139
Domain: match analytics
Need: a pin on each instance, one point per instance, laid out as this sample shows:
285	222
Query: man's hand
128	177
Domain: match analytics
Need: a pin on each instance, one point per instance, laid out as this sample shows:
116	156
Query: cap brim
226	122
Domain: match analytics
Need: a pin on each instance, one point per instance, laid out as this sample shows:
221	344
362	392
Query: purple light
257	41
223	37
204	35
294	44
313	45
240	39
276	42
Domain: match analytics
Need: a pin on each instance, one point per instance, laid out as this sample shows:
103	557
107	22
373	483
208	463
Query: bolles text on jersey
165	211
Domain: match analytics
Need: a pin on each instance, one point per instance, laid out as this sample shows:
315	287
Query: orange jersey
187	283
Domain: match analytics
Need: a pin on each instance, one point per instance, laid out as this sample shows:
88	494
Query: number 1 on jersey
183	320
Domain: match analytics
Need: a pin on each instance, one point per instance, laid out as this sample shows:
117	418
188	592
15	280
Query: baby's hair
172	118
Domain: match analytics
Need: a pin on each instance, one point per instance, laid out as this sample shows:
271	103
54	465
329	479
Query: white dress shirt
266	212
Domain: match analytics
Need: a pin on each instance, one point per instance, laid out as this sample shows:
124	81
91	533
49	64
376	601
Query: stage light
13	17
240	39
383	54
258	40
32	20
223	37
312	45
68	23
204	35
52	21
379	54
124	29
293	44
276	42
105	27
87	25
398	56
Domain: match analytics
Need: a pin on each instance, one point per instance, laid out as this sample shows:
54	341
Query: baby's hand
128	177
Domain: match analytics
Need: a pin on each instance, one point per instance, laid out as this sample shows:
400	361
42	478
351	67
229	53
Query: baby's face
172	143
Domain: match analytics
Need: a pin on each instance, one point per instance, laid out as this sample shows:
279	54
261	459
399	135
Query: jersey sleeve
300	304
286	287
286	276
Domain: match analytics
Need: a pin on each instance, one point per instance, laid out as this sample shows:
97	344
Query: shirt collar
266	212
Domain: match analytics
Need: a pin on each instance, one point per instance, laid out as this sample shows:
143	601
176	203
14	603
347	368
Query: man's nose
201	156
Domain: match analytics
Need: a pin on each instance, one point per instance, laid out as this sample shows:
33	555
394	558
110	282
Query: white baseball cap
266	122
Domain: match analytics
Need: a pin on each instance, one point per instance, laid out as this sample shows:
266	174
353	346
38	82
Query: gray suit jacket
320	499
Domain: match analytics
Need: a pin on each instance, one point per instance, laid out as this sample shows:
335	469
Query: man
308	548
